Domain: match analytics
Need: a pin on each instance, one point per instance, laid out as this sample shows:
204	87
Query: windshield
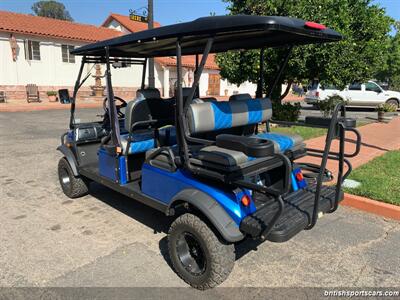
91	95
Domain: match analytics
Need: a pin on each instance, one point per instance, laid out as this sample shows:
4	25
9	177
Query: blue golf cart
204	162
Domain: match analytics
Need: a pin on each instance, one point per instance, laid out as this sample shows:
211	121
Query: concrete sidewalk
377	139
45	105
20	106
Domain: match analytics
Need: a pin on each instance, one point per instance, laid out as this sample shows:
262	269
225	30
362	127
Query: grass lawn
307	132
380	178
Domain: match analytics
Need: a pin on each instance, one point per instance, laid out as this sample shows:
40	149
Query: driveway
106	239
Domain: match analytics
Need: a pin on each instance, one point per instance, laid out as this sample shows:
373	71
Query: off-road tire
73	187
394	102
219	255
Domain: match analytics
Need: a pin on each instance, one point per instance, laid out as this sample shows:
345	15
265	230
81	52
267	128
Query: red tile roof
188	61
40	26
33	25
132	26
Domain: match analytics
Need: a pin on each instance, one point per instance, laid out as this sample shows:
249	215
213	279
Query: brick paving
377	139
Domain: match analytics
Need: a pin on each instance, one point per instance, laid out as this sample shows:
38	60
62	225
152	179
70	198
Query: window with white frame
66	53
32	50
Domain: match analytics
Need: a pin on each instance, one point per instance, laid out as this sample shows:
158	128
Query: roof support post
144	74
195	70
75	92
260	82
179	113
112	110
199	71
280	71
150	8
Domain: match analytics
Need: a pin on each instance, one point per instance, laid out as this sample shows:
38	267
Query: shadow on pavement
146	215
154	219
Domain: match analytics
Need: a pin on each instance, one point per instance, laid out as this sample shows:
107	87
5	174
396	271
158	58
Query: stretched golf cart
203	161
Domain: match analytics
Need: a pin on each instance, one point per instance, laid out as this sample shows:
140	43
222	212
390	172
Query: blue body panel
112	167
163	186
295	187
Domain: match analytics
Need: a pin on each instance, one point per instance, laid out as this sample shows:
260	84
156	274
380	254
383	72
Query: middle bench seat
144	141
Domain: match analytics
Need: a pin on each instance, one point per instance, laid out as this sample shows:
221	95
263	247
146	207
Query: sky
165	11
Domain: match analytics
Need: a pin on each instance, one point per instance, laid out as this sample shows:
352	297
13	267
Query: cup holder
250	146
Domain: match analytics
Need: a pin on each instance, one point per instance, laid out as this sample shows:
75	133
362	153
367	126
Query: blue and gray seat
213	116
148	105
284	143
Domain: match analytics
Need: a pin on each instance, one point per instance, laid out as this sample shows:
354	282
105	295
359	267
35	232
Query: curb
375	207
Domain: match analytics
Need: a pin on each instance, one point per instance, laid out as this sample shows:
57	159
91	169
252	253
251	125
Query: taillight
316	94
313	25
246	200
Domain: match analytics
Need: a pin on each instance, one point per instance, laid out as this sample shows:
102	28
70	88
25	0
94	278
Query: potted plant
52	95
386	112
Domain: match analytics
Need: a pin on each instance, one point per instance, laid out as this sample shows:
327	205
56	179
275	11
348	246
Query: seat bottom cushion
144	141
222	156
141	142
283	141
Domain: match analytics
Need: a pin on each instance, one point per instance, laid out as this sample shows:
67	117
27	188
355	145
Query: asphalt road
105	239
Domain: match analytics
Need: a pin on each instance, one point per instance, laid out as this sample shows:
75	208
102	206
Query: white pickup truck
356	94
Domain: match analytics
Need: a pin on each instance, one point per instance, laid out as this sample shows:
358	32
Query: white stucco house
35	50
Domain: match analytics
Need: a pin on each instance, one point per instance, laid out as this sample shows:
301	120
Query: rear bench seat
284	143
213	116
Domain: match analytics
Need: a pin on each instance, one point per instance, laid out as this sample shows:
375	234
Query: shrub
285	111
51	93
386	107
327	106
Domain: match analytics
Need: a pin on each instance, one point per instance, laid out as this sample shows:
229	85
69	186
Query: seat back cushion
239	97
211	116
148	93
136	110
162	110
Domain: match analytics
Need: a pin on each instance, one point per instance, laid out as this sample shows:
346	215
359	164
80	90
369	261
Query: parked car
356	94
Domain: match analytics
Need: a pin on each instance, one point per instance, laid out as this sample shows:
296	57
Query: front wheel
198	256
73	187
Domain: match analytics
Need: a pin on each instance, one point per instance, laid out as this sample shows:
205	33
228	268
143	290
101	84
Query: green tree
390	70
365	28
51	9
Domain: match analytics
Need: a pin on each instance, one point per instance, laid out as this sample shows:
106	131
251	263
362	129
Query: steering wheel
118	107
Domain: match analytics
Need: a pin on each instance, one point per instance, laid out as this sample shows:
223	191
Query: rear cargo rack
281	219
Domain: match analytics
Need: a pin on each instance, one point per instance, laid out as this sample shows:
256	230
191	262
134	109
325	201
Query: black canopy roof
229	32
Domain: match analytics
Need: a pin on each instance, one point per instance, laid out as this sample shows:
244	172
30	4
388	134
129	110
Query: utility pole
150	26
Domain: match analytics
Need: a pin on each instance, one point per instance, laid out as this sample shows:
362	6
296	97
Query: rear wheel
198	256
393	102
72	186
